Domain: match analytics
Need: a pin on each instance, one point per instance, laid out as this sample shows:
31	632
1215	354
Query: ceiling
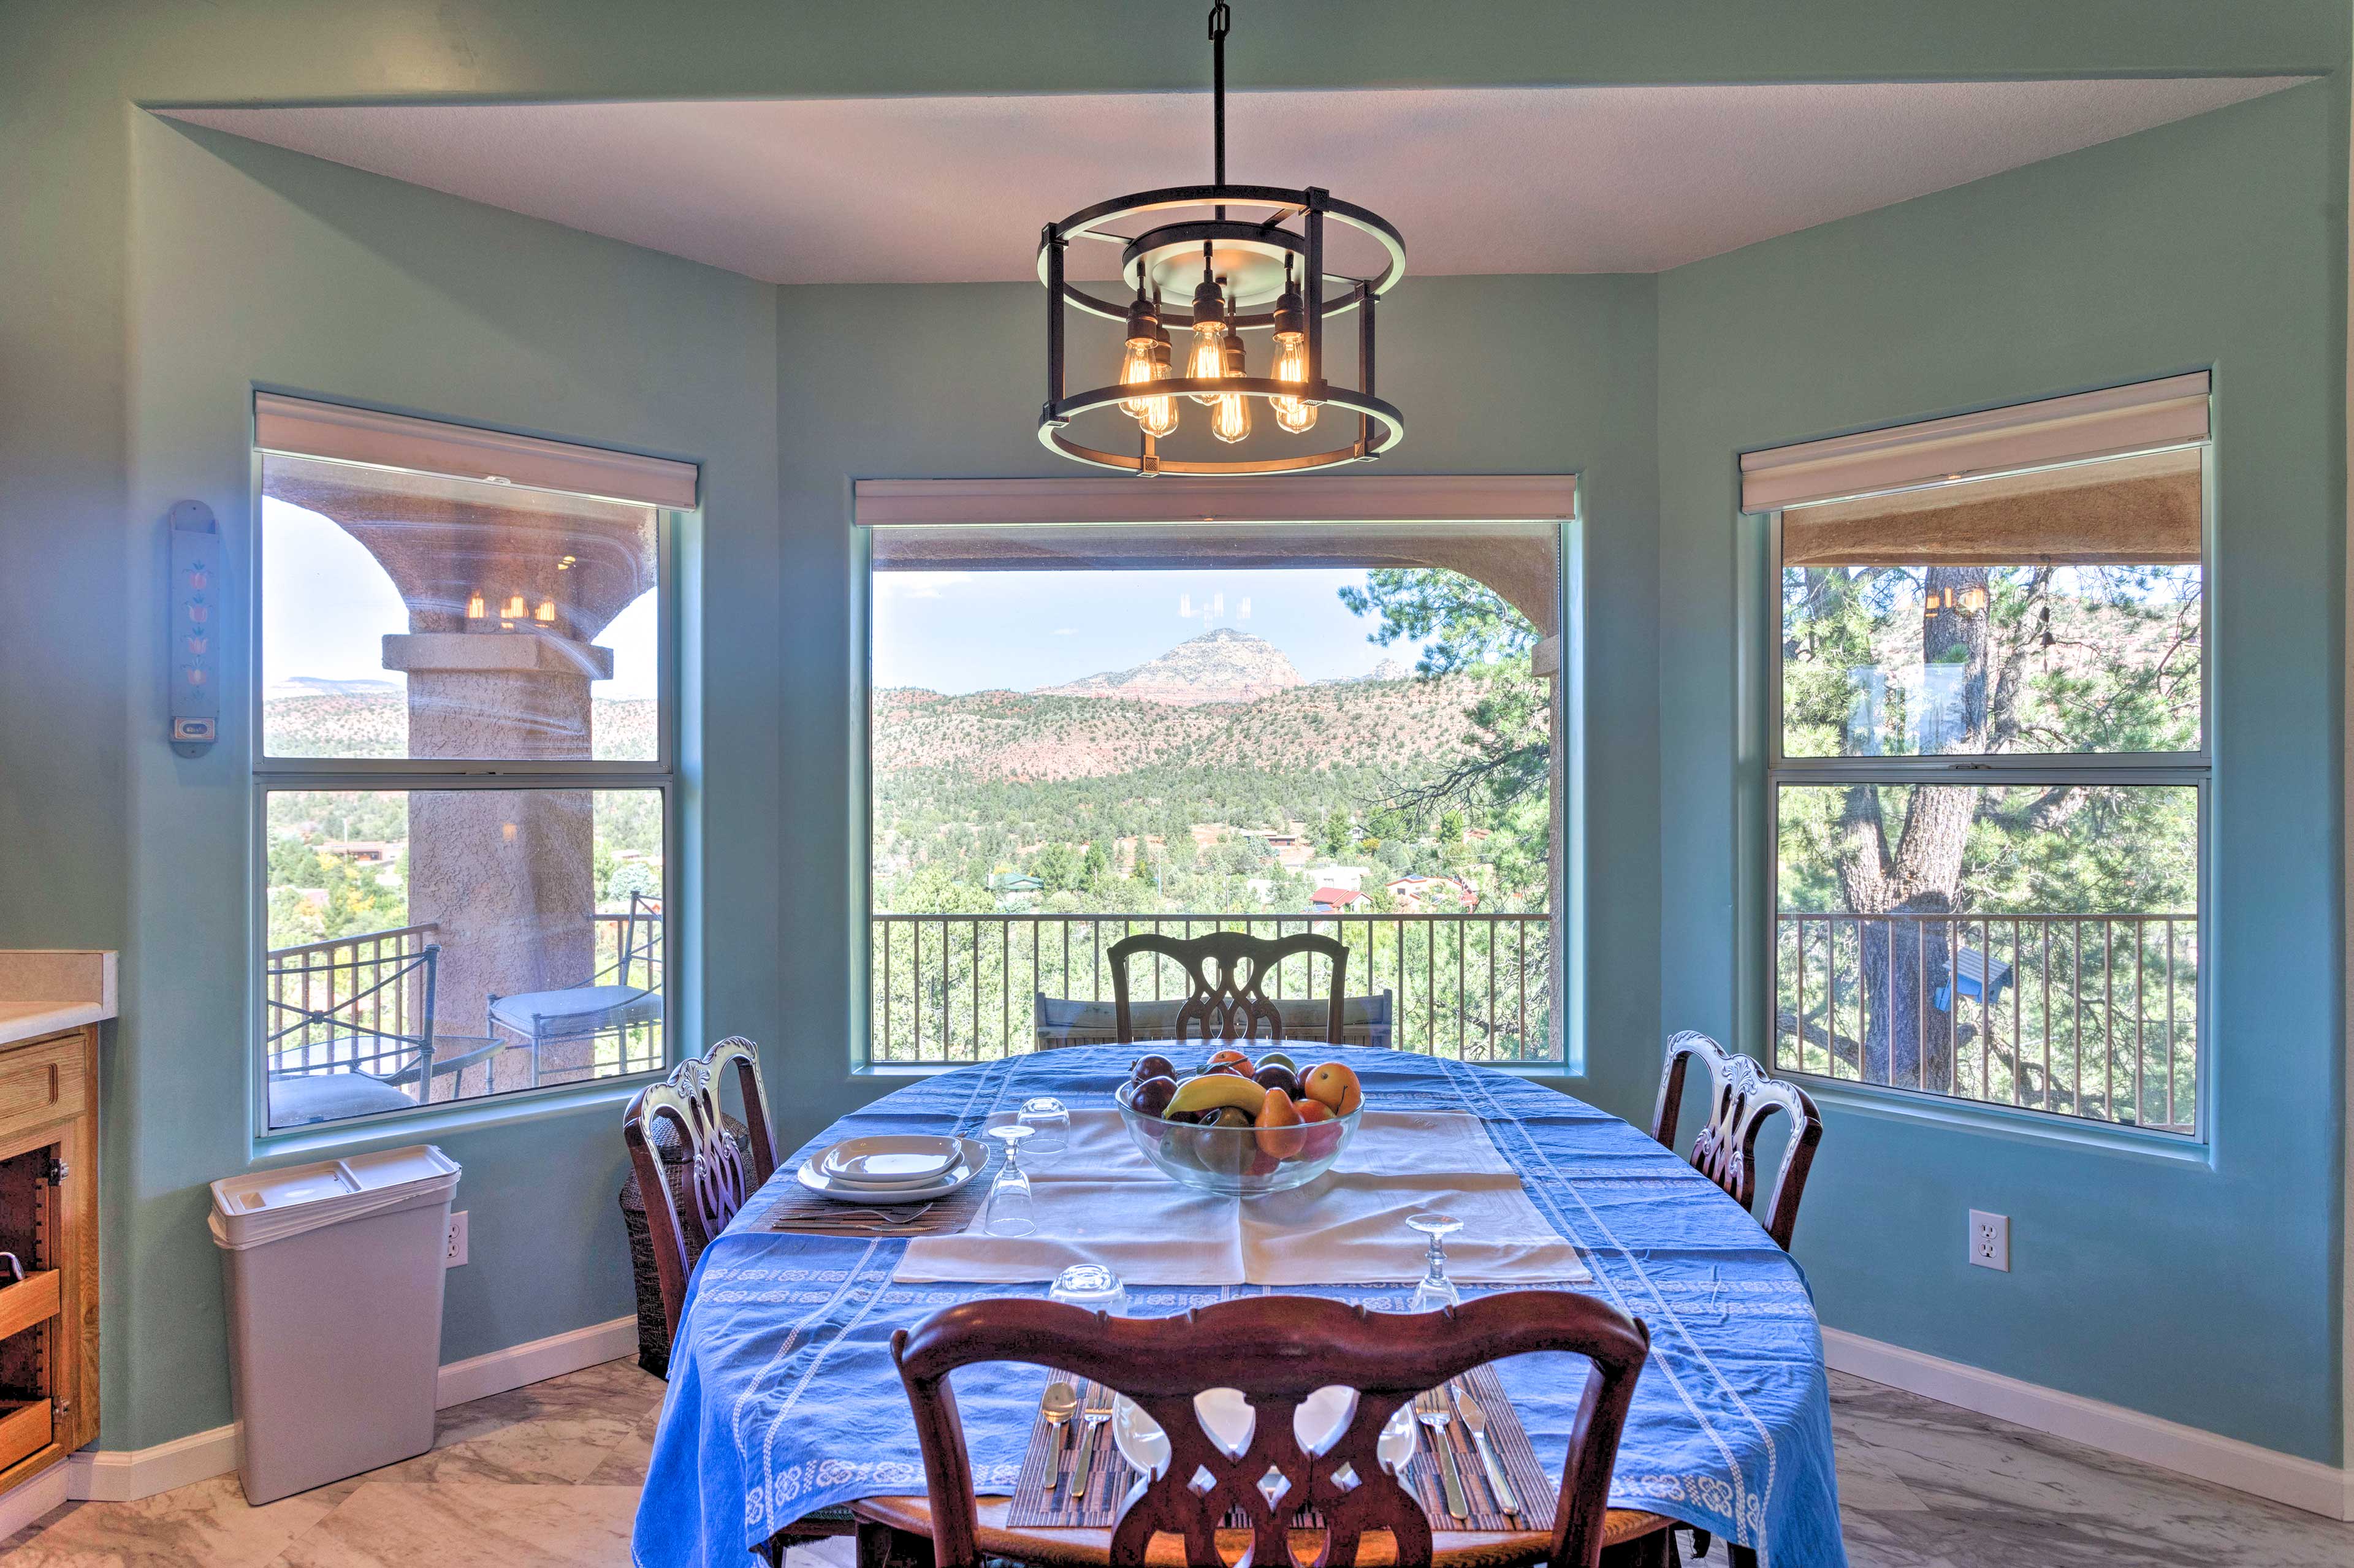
954	189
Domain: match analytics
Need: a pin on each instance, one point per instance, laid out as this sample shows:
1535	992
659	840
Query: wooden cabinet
49	1223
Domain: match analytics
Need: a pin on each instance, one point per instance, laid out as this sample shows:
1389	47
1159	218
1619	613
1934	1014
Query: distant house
1350	877
1418	894
1015	882
1335	900
360	851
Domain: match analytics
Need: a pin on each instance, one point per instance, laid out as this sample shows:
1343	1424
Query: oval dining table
783	1400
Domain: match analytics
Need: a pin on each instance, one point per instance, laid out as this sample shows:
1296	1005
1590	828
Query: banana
1212	1090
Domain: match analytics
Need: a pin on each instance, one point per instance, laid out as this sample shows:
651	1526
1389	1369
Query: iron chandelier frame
1260	241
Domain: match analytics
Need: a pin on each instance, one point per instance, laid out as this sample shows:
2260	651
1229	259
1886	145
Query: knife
1475	1421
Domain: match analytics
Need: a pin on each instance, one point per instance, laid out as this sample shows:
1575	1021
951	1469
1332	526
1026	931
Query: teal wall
2195	1290
153	275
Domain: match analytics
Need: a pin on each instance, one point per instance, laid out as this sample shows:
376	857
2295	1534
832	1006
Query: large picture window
1988	768
1082	732
465	742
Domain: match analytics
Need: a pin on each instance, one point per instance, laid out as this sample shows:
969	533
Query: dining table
783	1398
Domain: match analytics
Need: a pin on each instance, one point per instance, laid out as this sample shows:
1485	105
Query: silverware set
835	1219
1060	1407
1431	1408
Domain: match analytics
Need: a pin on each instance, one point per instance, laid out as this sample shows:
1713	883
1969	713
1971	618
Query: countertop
44	990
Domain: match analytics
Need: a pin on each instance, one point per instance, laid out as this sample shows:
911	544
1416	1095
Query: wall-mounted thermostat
192	638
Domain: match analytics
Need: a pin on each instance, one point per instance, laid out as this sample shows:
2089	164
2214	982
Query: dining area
1039	1309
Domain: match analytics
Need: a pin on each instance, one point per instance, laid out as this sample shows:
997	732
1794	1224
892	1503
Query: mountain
1220	666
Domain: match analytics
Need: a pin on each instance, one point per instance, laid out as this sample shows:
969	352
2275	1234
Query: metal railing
961	988
360	1003
2083	1015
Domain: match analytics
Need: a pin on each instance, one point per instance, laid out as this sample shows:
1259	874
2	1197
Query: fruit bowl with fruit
1239	1126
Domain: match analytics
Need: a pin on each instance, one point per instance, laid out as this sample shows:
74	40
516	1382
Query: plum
1151	1096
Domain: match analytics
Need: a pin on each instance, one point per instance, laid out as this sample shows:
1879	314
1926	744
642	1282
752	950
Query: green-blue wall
153	275
2197	1291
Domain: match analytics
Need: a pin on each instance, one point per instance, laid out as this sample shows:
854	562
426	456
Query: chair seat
1067	1548
531	1012
307	1098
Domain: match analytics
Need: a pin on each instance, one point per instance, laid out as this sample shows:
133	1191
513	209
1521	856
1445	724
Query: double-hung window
464	743
1989	754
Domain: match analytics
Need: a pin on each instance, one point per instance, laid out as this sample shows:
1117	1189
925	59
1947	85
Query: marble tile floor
548	1474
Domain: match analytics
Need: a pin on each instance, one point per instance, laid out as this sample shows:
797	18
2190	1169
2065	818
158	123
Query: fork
1095	1416
1431	1409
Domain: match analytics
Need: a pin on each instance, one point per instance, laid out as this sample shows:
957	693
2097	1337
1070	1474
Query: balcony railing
2083	1015
964	988
360	1003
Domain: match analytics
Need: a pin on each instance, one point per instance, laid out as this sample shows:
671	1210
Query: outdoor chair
342	1039
606	1001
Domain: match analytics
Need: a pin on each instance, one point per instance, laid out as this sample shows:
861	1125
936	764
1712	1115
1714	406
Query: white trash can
334	1273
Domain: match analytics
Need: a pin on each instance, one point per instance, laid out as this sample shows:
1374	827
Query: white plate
972	1159
894	1160
1227	1416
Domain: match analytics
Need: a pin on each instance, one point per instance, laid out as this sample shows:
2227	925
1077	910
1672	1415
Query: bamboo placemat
1038	1503
809	1214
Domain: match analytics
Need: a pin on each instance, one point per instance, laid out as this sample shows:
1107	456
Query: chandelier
1252	259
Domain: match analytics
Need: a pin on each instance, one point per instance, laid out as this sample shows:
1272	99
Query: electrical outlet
454	1245
1990	1240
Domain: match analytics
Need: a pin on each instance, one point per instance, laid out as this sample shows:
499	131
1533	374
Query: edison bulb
1207	362
1291	365
1159	415
1232	421
1138	367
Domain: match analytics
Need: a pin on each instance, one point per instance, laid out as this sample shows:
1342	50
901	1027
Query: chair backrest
641	931
1741	1096
1227	972
1277	1350
715	1182
1058	1021
377	1017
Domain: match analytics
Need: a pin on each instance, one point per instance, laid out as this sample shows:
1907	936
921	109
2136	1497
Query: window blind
2147	416
300	427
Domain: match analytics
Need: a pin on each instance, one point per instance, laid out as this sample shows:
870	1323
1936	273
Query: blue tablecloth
783	1399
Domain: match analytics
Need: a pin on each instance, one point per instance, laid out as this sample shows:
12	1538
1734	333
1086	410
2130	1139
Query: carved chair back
1226	972
715	1181
1741	1096
1277	1350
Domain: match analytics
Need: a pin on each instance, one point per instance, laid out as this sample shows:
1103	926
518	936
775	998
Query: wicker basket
654	1335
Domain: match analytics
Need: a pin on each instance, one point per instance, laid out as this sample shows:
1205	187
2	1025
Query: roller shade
303	428
2119	421
2139	510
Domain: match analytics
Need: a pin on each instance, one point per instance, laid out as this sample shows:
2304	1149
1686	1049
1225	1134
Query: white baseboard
2170	1445
28	1502
126	1475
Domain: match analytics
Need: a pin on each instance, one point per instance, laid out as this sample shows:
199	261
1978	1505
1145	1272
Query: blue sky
970	632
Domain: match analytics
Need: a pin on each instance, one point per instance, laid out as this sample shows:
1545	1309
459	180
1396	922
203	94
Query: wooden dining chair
1741	1096
1277	1350
1228	973
713	1178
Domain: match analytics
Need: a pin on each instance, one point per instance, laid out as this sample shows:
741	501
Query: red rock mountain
1220	666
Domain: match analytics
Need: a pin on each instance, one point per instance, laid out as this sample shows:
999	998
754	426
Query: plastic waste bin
334	1273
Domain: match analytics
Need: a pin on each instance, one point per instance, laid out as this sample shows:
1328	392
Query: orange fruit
1335	1086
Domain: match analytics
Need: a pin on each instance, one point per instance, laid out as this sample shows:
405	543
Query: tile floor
548	1474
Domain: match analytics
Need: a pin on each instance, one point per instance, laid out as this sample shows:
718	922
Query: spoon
1060	1404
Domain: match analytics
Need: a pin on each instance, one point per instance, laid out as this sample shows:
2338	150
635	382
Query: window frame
1558	499
268	773
2193	770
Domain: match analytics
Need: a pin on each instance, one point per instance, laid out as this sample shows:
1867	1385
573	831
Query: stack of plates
903	1167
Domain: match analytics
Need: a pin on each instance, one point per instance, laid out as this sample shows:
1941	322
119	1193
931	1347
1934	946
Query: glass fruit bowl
1237	1161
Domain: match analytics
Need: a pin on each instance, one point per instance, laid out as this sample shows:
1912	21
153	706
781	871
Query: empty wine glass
1091	1285
1434	1291
1049	1122
1012	1212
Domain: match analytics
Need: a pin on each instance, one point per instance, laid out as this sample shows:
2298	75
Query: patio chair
325	1064
1072	1020
1277	1349
606	1002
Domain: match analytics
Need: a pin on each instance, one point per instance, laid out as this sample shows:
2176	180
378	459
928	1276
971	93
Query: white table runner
1100	1201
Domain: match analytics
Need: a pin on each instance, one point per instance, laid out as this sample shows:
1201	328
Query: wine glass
1049	1122
1012	1212
1434	1291
1091	1285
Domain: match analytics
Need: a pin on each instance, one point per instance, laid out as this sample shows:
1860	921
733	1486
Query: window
1078	732
1989	755
465	738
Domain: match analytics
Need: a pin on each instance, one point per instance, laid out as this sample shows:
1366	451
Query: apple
1276	1076
1152	1068
1334	1085
1151	1096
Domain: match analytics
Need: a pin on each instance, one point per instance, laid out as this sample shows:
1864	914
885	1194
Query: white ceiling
902	190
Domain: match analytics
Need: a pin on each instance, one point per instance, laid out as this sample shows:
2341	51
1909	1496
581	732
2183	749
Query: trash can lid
266	1205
